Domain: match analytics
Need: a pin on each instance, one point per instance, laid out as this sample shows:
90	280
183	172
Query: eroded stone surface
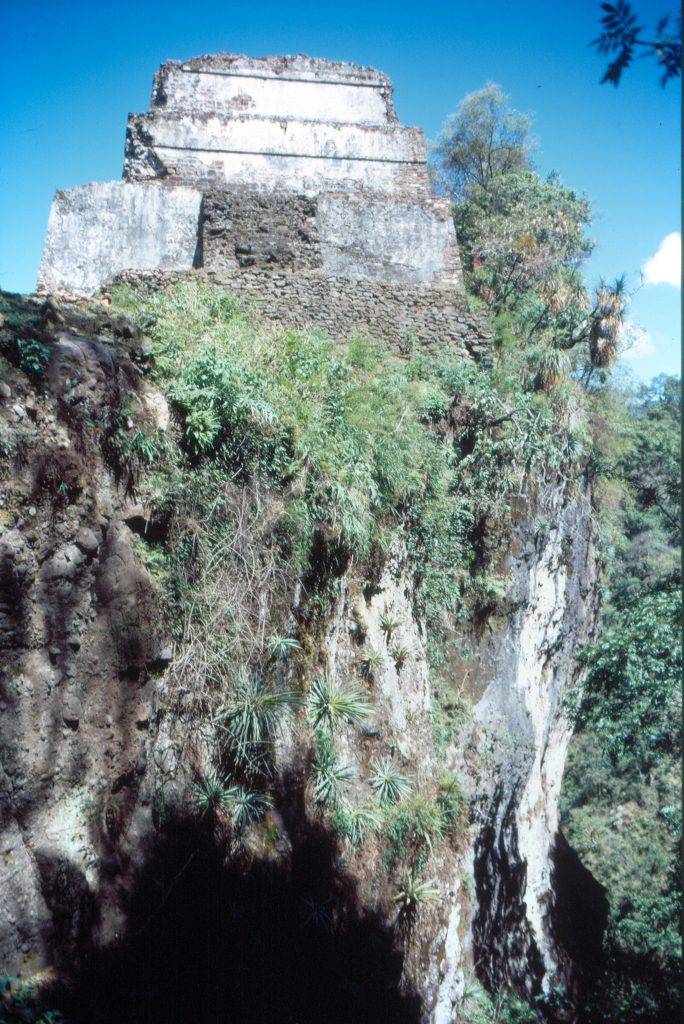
95	231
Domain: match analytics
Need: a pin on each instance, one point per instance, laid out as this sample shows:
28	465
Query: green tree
482	141
621	794
523	241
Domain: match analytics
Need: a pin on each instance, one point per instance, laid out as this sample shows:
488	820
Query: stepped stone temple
290	181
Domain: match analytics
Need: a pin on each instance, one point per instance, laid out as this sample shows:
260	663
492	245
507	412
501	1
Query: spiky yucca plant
387	781
388	623
401	654
413	892
374	661
329	775
251	717
552	366
212	792
330	703
247	806
606	324
356	823
279	646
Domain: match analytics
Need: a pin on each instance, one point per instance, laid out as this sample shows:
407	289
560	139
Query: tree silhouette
623	35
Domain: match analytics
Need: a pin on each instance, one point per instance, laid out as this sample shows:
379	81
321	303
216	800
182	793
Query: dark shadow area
580	916
282	938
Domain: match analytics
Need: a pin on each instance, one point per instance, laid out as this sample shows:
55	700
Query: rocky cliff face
105	872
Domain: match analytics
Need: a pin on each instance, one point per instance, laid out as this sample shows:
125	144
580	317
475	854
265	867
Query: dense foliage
523	242
622	793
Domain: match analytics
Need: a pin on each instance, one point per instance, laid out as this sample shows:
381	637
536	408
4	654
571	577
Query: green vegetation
387	781
21	1004
356	824
480	1007
247	806
523	241
329	774
294	458
412	827
622	35
330	703
250	718
621	802
211	793
414	892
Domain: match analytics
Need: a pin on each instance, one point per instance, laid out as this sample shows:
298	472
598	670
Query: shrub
34	356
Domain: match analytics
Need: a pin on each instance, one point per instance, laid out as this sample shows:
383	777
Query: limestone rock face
92	730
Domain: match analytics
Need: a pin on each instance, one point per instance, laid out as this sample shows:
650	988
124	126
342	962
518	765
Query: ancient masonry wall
290	179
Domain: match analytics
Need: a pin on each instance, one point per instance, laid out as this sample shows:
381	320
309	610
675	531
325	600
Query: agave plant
387	782
279	646
247	806
212	792
606	324
413	892
388	623
329	775
401	654
330	703
251	717
357	823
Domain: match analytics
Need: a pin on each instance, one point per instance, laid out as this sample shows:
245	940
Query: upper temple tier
289	179
284	122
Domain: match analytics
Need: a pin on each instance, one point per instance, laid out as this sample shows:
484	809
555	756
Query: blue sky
72	71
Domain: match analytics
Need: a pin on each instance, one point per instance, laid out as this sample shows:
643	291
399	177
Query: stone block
287	87
95	231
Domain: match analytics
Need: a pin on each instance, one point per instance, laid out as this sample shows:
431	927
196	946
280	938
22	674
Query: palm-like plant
606	324
401	654
387	782
329	775
330	703
251	717
413	892
388	623
212	792
247	806
552	366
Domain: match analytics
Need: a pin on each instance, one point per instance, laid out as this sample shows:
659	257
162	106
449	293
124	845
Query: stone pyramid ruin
289	180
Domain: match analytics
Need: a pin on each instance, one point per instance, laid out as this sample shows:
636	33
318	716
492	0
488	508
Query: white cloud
635	342
665	265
